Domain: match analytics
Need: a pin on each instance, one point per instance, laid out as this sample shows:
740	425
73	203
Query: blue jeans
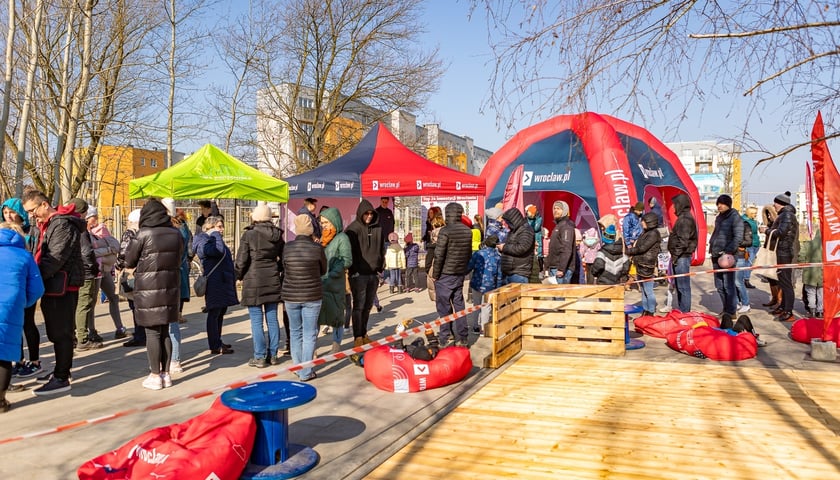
515	279
175	338
683	284
303	330
394	277
565	279
258	334
725	285
648	298
740	287
753	251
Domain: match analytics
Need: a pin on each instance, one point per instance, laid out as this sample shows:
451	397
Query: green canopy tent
210	173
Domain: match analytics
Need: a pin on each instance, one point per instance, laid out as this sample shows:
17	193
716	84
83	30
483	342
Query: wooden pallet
589	417
555	318
572	319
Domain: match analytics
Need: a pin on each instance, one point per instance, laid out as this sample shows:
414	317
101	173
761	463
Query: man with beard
561	246
726	238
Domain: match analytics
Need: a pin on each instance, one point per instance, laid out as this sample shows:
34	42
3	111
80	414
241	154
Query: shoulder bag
200	284
766	257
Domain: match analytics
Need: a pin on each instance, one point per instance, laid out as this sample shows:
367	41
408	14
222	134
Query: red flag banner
809	201
513	191
827	181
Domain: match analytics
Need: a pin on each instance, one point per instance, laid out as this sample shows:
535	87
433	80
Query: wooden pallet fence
572	319
504	328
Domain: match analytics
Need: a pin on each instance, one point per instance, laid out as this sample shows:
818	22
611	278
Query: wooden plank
615	320
594	333
573	304
577	291
588	417
572	345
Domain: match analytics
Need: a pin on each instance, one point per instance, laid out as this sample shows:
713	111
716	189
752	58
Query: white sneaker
665	309
175	367
166	380
744	309
153	382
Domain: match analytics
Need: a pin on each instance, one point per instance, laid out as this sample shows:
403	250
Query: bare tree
649	58
332	69
31	68
7	87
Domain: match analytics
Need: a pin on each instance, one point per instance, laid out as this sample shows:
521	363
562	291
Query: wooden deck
573	417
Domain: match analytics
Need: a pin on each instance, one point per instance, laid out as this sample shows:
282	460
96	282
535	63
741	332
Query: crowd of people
328	275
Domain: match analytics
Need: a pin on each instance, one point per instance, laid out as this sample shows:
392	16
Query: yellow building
116	166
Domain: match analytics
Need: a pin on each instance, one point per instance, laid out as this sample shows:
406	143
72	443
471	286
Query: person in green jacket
339	258
812	277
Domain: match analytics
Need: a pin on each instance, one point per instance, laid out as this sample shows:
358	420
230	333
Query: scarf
327	234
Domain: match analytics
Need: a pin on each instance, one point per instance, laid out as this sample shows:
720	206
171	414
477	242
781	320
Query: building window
142	162
306	102
153	163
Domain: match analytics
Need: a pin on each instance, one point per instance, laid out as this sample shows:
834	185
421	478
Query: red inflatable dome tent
599	165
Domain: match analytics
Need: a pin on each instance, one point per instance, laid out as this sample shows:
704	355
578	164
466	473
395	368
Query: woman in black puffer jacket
644	254
518	249
155	253
258	266
783	235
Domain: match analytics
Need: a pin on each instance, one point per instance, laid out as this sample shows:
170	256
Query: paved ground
351	424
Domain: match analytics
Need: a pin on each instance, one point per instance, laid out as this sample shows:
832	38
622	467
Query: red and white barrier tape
241	383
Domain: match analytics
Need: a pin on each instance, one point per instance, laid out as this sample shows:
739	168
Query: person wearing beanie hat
304	262
784	232
256	265
682	243
562	256
611	266
631	224
125	277
58	255
155	254
535	221
452	256
106	248
644	254
262	213
303	226
308	211
86	334
91	212
495	225
412	263
169	203
394	263
486	268
726	239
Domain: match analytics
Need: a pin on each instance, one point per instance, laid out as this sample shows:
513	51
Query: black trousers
363	288
32	335
158	348
59	320
786	284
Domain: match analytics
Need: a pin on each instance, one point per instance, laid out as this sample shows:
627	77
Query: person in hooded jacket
682	242
59	258
611	265
258	262
495	225
366	246
210	247
14	213
138	337
725	239
645	252
518	249
535	221
561	247
769	215
86	334
155	254
783	237
20	287
339	259
452	257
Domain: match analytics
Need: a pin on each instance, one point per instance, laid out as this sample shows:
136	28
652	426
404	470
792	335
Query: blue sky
464	87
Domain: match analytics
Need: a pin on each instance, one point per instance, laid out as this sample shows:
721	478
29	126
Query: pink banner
827	180
513	191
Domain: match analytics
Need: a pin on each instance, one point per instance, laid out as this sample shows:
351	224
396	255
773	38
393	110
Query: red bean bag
393	370
674	321
804	329
215	444
714	343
